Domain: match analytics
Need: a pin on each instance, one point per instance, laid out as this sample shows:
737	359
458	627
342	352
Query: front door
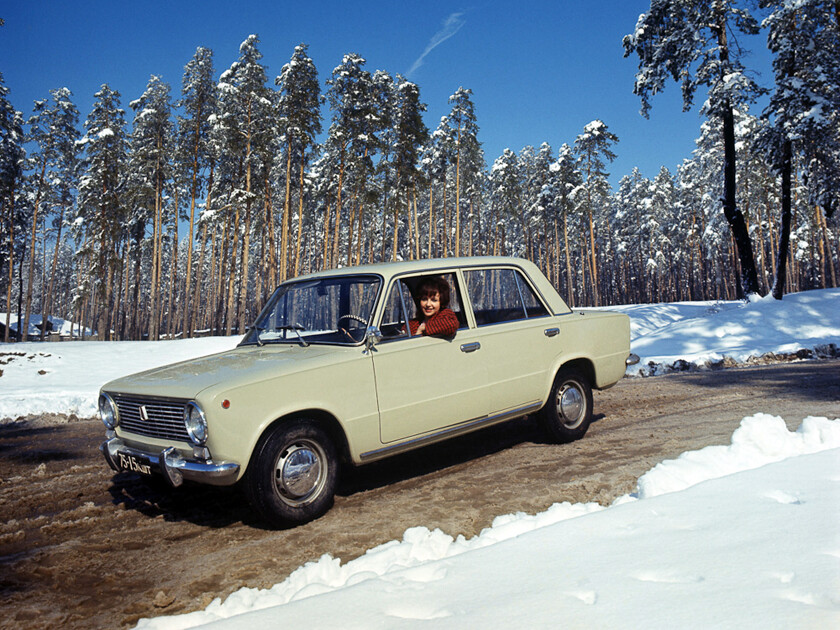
425	384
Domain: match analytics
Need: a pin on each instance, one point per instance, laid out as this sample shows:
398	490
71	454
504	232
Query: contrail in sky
451	25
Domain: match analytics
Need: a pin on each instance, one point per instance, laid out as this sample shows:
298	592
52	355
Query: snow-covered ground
744	535
65	377
61	327
738	536
702	334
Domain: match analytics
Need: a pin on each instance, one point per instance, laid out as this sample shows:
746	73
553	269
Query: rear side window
501	295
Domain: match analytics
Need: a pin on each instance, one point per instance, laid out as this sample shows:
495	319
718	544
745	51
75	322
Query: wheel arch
324	419
582	365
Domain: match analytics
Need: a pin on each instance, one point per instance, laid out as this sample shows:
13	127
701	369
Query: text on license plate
135	464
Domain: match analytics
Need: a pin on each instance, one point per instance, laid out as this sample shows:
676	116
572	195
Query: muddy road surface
81	547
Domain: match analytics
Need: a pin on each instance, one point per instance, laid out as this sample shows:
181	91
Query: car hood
228	370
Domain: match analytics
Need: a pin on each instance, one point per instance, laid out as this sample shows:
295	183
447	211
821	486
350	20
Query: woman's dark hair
429	286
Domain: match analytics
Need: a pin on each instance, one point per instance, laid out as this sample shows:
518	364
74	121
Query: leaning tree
694	42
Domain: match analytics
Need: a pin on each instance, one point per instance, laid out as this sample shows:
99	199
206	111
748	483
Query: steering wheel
357	318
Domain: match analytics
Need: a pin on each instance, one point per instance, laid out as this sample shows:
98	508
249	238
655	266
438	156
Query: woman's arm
444	323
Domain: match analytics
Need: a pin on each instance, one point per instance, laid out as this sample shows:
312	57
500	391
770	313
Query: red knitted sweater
443	323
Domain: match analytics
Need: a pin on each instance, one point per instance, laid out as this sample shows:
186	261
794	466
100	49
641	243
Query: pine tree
805	40
435	161
54	162
351	138
506	200
198	102
151	170
464	134
247	111
101	208
299	101
568	183
409	135
12	155
691	40
592	147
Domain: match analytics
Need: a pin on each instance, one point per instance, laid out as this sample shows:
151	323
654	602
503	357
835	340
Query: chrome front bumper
169	463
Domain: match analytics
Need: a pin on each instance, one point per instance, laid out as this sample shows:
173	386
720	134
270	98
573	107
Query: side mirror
372	337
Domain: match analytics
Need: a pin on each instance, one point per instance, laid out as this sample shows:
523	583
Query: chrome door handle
470	347
551	332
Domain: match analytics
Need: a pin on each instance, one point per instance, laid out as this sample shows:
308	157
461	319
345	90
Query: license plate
134	463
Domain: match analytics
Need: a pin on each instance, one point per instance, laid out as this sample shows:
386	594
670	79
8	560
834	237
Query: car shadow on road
208	506
453	452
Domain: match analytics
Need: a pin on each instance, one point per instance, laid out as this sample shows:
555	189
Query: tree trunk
186	316
570	288
300	214
287	209
195	306
336	242
829	260
458	197
33	240
243	283
784	230
11	258
326	256
229	314
431	217
416	223
48	303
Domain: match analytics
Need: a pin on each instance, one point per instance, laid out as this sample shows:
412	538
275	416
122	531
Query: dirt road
81	547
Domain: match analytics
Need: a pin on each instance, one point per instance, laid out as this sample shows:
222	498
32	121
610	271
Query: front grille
165	417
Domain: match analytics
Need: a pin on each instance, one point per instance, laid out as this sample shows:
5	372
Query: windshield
333	310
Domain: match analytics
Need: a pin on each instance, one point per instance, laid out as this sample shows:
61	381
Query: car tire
293	474
567	414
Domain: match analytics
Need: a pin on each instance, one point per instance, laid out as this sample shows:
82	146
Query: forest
182	220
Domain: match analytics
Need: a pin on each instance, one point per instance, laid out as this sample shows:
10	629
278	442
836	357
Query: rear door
519	339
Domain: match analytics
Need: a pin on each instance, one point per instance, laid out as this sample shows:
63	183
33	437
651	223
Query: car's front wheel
293	474
568	412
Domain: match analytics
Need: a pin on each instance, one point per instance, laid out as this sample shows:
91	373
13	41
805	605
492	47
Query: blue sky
539	70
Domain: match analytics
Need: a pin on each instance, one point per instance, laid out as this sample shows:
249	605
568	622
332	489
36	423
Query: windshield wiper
297	328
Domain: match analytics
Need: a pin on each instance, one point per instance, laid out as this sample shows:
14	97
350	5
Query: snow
702	334
694	334
740	535
739	543
65	377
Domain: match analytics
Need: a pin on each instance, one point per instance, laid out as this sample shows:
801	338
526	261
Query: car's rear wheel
568	412
293	474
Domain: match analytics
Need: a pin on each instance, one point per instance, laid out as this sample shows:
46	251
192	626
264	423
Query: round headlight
195	423
108	411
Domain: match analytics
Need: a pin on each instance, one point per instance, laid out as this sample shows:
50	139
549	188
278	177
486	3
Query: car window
394	317
501	295
400	306
326	310
533	306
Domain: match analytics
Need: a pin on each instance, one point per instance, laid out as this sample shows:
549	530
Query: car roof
431	265
389	269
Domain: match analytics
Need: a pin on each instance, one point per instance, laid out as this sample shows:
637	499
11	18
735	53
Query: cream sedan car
331	373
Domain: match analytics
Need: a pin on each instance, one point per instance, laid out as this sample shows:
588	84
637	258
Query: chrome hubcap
570	406
299	473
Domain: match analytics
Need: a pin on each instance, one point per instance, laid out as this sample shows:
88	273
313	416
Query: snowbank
691	335
729	536
64	378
